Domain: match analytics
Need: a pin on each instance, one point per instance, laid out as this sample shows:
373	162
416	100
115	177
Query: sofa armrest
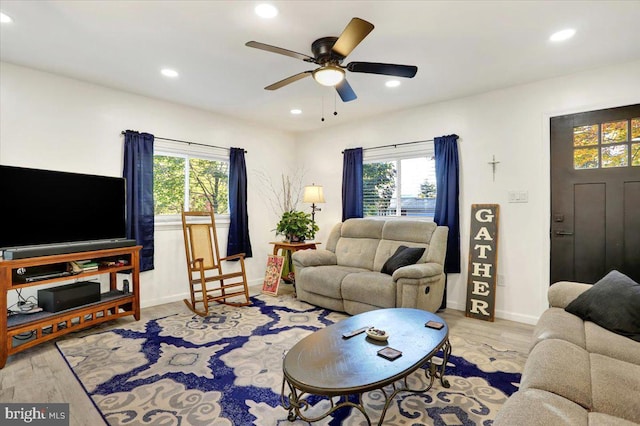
304	258
418	271
562	293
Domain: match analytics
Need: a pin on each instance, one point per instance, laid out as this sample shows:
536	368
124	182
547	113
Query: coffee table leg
296	403
293	406
446	351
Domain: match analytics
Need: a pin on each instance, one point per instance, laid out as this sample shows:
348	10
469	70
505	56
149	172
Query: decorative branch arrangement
285	195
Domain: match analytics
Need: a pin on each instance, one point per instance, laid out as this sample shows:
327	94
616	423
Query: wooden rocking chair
203	257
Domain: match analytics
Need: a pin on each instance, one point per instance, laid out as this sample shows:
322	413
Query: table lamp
313	194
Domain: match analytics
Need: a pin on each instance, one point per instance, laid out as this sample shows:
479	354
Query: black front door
595	194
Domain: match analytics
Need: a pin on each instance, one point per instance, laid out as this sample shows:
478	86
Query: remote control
354	332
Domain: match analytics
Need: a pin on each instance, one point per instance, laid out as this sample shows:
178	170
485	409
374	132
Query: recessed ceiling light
563	35
5	19
266	11
392	83
167	72
296	111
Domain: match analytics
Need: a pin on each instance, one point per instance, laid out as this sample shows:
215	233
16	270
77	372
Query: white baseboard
510	316
145	303
255	286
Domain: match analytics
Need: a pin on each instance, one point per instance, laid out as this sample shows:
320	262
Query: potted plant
296	226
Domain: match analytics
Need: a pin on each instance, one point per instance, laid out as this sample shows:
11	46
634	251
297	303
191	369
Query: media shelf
23	331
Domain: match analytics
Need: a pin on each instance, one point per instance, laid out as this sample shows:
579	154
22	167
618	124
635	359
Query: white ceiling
460	48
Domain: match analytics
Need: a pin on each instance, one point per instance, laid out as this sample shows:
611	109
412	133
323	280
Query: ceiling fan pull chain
322	119
335	107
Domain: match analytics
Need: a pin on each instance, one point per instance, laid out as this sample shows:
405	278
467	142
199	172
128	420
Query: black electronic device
32	274
57	212
56	299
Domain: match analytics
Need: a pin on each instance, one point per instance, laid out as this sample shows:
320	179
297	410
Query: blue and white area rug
226	369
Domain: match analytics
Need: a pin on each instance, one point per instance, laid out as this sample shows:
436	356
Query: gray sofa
577	372
345	276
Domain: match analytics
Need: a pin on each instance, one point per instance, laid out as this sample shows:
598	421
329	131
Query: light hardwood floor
41	375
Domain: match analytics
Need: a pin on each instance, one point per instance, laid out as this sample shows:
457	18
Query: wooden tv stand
23	331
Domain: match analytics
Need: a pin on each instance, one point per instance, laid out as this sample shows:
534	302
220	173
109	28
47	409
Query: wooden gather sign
483	262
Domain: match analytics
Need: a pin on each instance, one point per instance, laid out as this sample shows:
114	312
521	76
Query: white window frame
188	151
396	154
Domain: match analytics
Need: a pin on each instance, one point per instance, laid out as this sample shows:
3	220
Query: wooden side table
291	248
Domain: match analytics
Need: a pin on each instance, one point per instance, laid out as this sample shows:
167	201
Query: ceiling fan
329	52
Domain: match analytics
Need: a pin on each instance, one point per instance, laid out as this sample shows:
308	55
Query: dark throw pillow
402	257
612	303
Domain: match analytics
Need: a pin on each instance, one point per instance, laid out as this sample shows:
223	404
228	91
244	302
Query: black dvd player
32	274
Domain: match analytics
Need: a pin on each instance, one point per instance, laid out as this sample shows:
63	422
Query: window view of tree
168	184
208	185
379	185
427	190
196	183
399	187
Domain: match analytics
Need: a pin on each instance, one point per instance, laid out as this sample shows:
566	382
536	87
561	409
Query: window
605	145
194	179
400	181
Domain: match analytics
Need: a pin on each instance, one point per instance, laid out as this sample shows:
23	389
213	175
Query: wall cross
493	166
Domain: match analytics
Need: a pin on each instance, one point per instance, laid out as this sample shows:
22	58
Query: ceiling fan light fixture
329	75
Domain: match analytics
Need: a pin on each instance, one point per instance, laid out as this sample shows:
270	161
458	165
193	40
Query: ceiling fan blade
345	91
288	80
280	50
408	71
353	34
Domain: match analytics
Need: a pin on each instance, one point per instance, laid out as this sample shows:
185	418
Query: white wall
513	124
47	121
52	122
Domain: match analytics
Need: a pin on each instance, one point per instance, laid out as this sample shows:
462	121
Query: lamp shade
313	194
329	75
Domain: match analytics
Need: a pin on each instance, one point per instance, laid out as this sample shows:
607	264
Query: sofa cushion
325	280
562	293
601	341
559	367
615	387
362	228
556	323
535	407
403	256
601	419
357	252
613	303
408	230
372	288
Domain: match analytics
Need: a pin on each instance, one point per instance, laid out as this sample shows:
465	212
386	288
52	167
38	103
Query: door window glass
586	135
607	145
615	131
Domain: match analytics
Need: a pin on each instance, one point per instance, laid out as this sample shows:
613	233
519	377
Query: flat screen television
45	207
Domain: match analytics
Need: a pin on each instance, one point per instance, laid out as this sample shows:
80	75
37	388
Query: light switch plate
518	196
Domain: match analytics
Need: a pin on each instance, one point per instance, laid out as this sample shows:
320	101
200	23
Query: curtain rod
187	142
395	145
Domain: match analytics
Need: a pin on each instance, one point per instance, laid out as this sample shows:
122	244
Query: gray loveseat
345	276
577	372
